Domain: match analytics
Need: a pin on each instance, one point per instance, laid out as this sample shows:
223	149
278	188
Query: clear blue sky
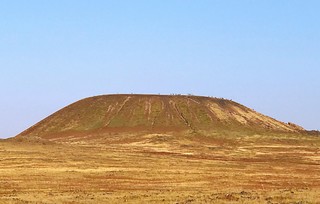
264	54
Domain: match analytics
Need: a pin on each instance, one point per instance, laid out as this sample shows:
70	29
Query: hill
153	114
160	149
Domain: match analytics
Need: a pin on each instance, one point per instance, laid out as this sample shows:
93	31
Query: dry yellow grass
158	168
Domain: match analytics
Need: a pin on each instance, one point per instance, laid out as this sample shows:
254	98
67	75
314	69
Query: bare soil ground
162	168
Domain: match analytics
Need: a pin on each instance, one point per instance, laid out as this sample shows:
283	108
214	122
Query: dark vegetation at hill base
314	132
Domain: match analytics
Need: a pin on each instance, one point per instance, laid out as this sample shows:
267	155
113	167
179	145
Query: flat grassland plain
162	168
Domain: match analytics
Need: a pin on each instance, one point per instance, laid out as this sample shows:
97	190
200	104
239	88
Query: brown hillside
153	113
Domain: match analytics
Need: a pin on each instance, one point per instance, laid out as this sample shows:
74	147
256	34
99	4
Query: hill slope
154	113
